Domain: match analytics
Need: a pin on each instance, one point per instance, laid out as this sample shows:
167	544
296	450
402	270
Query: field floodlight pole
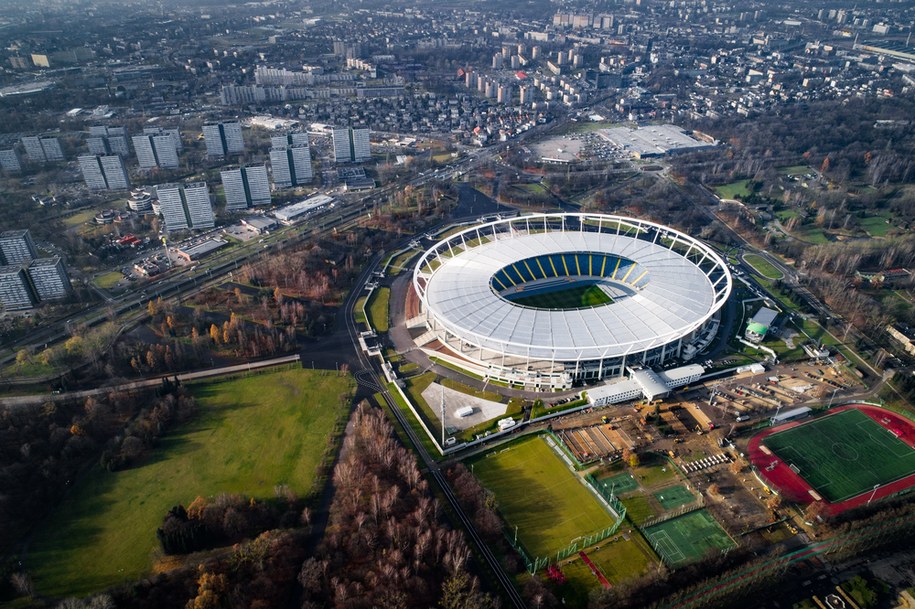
874	492
442	411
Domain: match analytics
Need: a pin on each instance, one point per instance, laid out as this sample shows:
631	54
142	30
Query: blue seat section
559	266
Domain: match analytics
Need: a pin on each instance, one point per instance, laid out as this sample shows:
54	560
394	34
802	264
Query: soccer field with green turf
577	297
843	455
688	538
537	492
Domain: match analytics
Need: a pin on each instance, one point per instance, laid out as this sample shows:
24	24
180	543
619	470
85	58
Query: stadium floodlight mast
874	492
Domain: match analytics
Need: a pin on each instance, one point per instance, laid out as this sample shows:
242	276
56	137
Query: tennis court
537	492
620	483
688	538
843	455
673	497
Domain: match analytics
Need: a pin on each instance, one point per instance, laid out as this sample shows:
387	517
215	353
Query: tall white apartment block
223	139
43	149
246	186
186	206
49	278
104	172
16	247
289	139
291	166
351	145
156	149
9	160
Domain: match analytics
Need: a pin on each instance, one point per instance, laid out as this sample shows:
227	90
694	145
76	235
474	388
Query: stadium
550	300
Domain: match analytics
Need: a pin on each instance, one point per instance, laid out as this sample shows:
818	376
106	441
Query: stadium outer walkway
794	488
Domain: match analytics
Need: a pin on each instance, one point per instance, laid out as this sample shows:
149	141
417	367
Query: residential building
223	139
289	139
185	206
245	187
15	291
351	145
157	148
9	160
43	149
291	166
16	247
108	140
104	172
49	278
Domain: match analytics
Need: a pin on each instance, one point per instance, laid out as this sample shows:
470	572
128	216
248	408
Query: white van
466	411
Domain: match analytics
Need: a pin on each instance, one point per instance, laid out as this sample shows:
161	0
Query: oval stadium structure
545	301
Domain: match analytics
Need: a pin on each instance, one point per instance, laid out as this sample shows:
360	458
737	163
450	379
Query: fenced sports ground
688	538
847	457
539	494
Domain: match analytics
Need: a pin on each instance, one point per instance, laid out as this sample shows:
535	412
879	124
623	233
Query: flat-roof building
104	172
9	160
49	278
185	206
201	250
245	187
294	212
157	148
291	165
652	140
759	325
15	291
351	145
16	247
223	139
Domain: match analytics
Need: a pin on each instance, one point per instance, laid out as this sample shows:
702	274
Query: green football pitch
674	496
576	297
843	455
537	492
688	538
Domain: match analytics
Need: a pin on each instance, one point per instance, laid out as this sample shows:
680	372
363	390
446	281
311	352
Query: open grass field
741	189
794	170
844	454
763	266
688	538
620	484
537	492
577	297
673	497
250	434
621	559
80	217
108	280
377	309
639	508
655	473
876	226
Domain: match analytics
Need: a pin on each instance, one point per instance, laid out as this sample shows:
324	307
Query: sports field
688	538
673	497
620	483
844	454
576	297
537	492
249	434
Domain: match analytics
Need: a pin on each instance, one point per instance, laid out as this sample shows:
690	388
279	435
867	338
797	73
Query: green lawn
639	508
673	497
577	297
741	189
108	280
844	454
763	266
876	226
621	559
537	492
80	217
250	434
795	170
651	475
688	538
377	309
397	265
620	484
358	315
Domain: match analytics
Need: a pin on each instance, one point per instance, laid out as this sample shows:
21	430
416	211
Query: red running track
600	576
794	488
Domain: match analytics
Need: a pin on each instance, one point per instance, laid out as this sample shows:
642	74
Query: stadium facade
551	300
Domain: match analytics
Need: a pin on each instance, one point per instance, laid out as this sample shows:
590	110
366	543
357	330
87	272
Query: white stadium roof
675	297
